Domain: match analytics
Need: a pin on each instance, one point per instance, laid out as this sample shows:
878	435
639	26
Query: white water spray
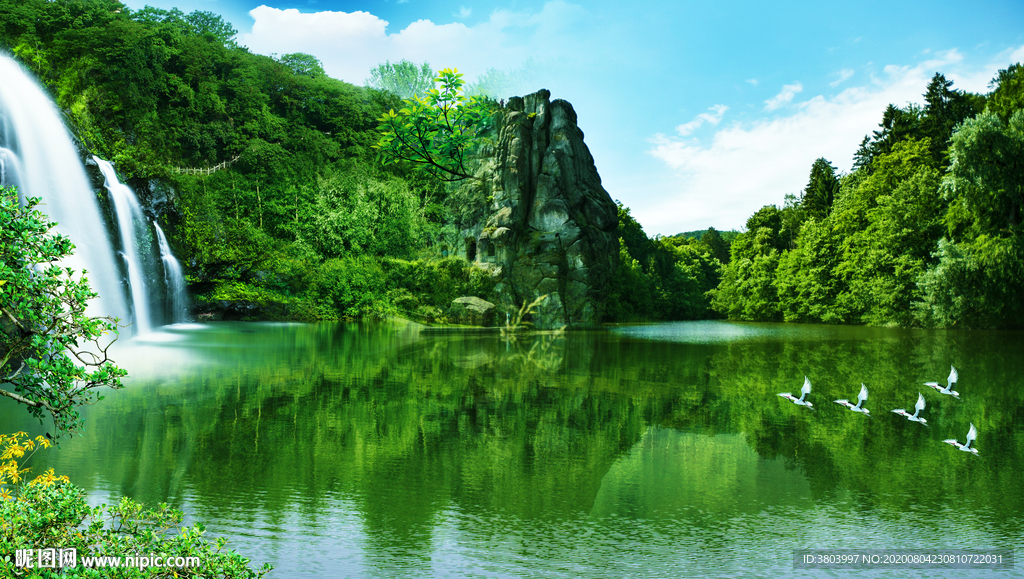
39	158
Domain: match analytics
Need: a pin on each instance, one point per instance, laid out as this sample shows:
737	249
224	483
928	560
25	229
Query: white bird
919	406
803	394
860	401
948	388
971	435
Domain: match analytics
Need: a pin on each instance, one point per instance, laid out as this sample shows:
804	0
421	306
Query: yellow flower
48	478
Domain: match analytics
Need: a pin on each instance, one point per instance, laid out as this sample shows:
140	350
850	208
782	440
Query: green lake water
383	450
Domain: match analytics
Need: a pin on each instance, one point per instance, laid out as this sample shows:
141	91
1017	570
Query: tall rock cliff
548	226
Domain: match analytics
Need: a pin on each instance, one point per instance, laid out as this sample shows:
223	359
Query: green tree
985	189
1008	92
207	23
951	296
715	245
986	176
403	78
806	281
890	223
897	124
433	132
748	290
303	64
46	361
501	84
821	190
944	109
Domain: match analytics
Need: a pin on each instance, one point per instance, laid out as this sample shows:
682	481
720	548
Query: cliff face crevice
549	226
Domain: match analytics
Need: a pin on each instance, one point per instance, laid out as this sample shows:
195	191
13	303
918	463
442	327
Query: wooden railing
204	171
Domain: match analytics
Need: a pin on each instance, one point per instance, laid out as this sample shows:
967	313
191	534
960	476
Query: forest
924	232
305	223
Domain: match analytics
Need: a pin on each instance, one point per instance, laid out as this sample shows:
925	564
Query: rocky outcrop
471	310
549	227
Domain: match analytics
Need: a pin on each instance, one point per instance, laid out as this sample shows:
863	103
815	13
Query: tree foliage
665	278
404	79
433	132
303	64
53	357
1008	92
897	242
987	175
48	511
821	190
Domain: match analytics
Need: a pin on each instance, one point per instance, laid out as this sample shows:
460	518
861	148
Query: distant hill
727	236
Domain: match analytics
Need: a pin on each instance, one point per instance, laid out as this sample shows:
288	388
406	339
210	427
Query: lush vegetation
926	230
305	222
664	278
433	132
303	202
53	357
46	518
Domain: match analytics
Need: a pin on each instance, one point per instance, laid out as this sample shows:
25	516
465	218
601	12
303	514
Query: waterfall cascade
38	156
40	159
177	295
133	229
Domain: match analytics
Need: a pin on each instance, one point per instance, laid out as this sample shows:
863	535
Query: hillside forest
305	223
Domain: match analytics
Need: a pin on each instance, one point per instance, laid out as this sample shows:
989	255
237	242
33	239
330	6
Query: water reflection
651	450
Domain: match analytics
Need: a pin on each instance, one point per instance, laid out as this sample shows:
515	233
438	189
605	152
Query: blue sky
697	114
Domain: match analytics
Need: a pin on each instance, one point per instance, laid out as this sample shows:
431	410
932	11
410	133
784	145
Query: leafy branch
52	356
432	132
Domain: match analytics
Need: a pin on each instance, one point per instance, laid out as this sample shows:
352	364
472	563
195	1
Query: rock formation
549	227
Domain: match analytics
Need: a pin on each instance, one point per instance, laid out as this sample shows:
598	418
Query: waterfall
177	296
132	226
37	156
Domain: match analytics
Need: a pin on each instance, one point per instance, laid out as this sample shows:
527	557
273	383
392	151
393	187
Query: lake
389	450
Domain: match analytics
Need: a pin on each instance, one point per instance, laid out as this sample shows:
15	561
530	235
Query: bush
348	288
50	513
425	288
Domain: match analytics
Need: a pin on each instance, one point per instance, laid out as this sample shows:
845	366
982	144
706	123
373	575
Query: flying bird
803	394
971	435
919	407
948	388
860	401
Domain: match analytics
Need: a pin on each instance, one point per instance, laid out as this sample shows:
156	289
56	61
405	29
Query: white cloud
722	181
844	75
463	12
350	44
787	94
714	117
752	81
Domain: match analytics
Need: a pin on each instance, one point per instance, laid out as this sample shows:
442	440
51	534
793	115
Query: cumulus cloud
350	44
463	12
722	181
844	75
788	92
714	117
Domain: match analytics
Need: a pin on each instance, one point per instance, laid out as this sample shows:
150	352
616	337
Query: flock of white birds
947	389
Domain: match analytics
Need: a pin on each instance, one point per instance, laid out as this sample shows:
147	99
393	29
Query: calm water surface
348	450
